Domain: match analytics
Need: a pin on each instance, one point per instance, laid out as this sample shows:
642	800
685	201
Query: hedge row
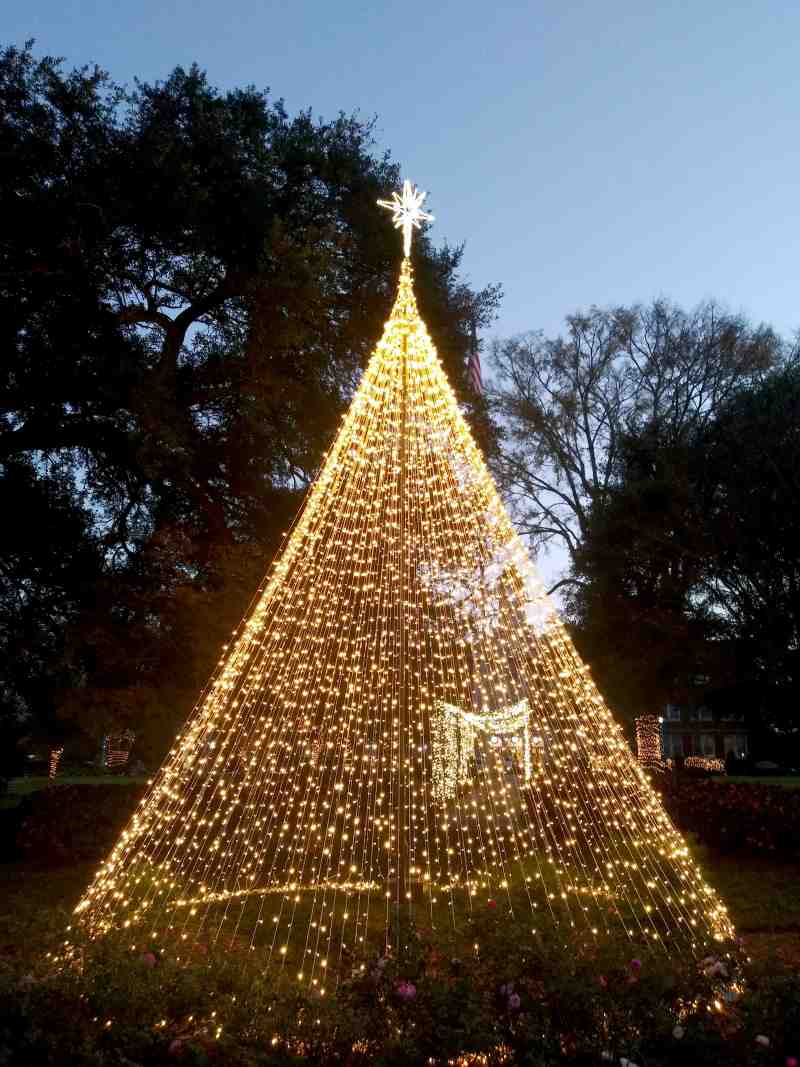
730	815
70	823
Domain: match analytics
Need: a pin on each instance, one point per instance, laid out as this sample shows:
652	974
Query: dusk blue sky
585	152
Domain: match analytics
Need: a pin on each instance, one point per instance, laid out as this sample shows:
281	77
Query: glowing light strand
649	746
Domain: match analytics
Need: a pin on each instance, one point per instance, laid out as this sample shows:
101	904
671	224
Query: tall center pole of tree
407	216
403	864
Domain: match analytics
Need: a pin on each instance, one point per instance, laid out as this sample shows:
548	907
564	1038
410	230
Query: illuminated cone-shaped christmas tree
401	727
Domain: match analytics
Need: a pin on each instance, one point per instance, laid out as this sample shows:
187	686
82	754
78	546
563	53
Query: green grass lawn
36	904
789	781
20	787
763	897
762	894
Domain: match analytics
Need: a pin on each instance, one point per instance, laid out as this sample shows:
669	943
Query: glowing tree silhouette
401	726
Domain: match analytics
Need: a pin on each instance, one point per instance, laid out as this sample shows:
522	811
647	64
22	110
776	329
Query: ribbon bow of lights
407	213
454	732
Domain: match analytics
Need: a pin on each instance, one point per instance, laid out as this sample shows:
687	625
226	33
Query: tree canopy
692	553
660	448
190	283
563	405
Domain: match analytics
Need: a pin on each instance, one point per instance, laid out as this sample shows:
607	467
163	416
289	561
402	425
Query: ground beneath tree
762	894
780	946
763	897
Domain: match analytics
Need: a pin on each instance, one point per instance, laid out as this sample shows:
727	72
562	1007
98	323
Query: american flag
474	376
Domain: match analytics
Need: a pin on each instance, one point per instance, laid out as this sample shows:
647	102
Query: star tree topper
407	213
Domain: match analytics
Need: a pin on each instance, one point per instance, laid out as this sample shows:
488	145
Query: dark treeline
190	283
662	449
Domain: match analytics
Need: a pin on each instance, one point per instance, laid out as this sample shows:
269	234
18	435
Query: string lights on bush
400	727
117	749
55	759
701	763
649	746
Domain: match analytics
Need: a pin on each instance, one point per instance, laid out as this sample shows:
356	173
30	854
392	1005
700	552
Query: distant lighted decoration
706	763
702	763
399	727
648	741
117	749
55	759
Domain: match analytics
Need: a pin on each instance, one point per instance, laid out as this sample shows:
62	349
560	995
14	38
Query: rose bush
498	994
731	815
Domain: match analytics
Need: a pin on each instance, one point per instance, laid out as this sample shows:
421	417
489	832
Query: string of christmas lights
116	749
703	763
55	759
649	747
399	728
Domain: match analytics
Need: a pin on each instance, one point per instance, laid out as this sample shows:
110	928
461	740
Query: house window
708	746
672	713
702	714
673	745
735	743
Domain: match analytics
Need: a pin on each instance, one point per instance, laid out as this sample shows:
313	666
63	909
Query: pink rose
148	959
715	969
406	990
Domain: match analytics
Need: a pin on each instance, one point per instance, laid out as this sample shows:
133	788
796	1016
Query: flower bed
499	994
729	815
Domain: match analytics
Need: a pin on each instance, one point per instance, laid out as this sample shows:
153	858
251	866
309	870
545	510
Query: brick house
690	727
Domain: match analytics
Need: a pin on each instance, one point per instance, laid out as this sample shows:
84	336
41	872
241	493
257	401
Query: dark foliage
641	566
692	552
503	996
750	463
738	815
190	283
71	823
